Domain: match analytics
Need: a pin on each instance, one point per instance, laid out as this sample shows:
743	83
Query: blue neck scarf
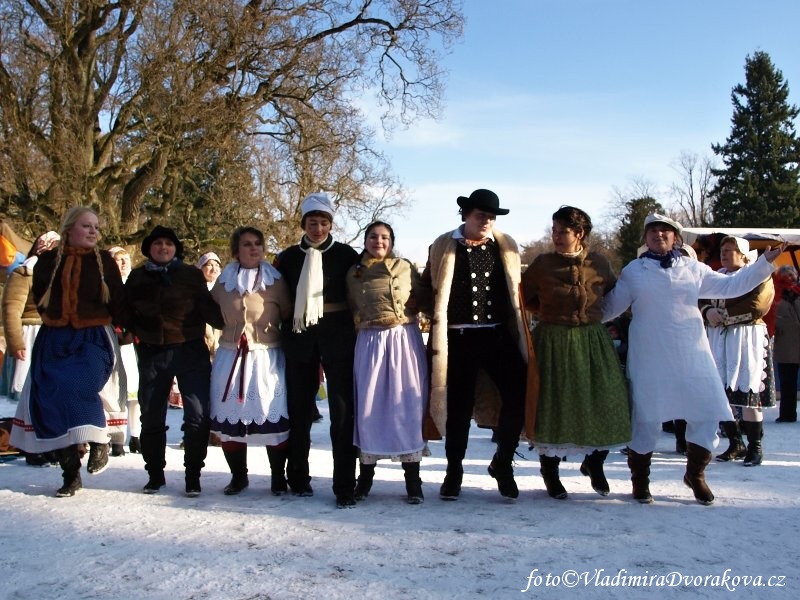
163	269
665	260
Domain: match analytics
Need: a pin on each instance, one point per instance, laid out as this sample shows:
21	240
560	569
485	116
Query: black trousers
335	355
787	372
493	350
189	362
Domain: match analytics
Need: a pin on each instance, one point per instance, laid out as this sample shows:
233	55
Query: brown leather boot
697	459
639	464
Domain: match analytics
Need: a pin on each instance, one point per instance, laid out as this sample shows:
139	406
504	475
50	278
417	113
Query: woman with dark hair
583	400
319	332
248	384
670	367
169	307
79	294
390	371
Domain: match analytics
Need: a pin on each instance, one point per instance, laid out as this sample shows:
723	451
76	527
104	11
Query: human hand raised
772	253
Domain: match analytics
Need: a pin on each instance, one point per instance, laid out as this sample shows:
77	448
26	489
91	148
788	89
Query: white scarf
308	303
236	278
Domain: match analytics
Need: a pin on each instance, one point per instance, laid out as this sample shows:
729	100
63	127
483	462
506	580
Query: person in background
743	354
248	386
787	342
79	294
583	400
320	332
391	371
670	367
211	267
123	260
21	318
473	274
169	307
22	322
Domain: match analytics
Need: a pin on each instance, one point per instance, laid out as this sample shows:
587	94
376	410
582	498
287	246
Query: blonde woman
79	293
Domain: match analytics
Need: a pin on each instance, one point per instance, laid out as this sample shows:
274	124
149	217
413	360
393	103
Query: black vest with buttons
478	295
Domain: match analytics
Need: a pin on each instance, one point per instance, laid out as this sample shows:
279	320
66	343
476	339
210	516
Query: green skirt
583	401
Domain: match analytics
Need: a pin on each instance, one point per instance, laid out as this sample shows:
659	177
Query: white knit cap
318	201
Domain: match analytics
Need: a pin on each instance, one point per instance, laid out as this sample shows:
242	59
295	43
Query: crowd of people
99	348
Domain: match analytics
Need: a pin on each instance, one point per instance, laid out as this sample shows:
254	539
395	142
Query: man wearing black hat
477	330
169	307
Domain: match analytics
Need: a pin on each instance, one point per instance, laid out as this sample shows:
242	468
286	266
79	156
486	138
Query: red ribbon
241	353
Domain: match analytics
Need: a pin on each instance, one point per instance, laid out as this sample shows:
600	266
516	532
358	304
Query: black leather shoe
345	501
155	483
505	480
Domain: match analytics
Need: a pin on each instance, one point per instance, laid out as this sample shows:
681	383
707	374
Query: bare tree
692	191
147	109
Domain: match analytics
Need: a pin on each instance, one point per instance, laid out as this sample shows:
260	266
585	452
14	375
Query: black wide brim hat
485	200
162	232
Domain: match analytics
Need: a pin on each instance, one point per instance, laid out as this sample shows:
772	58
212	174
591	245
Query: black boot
754	431
98	458
237	462
697	459
134	446
680	436
592	467
366	473
451	486
548	467
501	470
736	449
277	466
195	449
639	464
70	461
413	483
154	448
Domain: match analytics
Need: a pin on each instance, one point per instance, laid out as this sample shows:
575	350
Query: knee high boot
236	457
697	459
413	483
70	460
592	467
548	467
639	464
366	474
277	466
754	430
736	449
680	436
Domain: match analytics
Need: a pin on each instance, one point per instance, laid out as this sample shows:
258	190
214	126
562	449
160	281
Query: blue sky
553	102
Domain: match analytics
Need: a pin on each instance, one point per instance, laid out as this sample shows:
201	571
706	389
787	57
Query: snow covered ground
111	541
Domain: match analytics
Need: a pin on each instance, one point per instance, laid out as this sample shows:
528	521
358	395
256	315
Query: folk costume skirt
61	401
743	354
391	387
583	400
248	396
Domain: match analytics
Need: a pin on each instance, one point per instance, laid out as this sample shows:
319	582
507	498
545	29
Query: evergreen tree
629	236
758	185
